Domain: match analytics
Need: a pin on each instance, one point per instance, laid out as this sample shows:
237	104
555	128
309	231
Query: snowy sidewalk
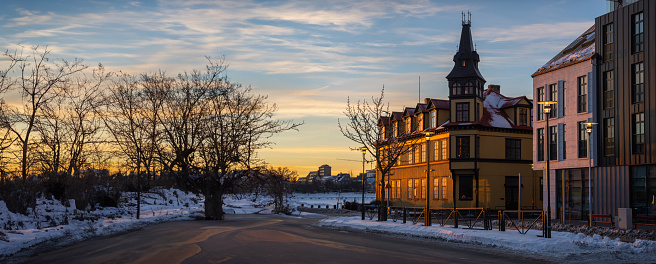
562	246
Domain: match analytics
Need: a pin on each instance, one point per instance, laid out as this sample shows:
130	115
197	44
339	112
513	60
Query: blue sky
308	56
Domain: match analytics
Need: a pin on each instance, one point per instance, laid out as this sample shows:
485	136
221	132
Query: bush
20	195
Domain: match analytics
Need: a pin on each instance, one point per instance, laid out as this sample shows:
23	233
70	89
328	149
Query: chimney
494	87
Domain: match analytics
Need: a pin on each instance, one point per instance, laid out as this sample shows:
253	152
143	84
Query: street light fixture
547	110
427	218
364	178
588	129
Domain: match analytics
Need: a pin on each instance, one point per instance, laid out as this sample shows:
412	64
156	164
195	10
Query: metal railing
524	221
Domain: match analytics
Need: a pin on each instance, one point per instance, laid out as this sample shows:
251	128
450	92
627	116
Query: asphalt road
263	239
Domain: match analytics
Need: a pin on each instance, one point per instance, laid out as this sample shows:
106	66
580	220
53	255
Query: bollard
334	206
405	214
311	206
326	206
502	221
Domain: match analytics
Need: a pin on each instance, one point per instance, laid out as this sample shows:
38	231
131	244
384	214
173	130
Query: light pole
588	129
547	222
364	178
427	215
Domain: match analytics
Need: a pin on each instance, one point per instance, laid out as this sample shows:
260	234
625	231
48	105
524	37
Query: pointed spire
466	58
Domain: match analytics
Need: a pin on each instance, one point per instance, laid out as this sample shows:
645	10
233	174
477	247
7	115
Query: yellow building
480	143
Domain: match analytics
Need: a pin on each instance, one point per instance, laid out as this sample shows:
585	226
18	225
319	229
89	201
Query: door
512	192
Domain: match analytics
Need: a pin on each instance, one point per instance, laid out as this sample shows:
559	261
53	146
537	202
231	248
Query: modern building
609	79
324	170
480	144
569	79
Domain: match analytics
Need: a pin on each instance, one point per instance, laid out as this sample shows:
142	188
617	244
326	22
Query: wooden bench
607	219
645	220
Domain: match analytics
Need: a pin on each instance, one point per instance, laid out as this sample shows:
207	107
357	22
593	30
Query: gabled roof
421	108
581	49
396	116
493	114
409	111
439	104
384	120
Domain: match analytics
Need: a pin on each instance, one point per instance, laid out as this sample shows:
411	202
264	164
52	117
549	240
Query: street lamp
547	110
588	129
364	177
427	219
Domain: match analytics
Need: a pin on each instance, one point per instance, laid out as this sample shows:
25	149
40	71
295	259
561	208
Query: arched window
469	88
456	89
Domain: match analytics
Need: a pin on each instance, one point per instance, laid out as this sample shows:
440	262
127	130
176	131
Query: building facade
324	170
479	149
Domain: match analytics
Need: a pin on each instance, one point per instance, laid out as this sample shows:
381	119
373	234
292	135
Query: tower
465	81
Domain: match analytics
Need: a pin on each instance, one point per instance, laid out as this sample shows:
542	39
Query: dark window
462	112
638	133
540	144
643	189
564	105
638	82
582	94
456	89
553	89
540	99
583	141
608	42
553	143
638	33
513	149
466	187
469	88
609	136
564	136
609	90
523	117
462	147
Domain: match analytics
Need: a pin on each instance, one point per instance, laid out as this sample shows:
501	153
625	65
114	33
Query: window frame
638	133
553	143
582	94
637	33
582	140
462	112
463	145
608	42
609	137
638	82
513	149
609	89
466	187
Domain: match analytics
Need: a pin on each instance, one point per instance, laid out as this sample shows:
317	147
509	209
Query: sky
309	57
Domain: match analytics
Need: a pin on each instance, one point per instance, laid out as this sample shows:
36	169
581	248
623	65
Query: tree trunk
213	201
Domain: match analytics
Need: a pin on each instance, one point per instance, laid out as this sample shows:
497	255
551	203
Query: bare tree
39	80
368	125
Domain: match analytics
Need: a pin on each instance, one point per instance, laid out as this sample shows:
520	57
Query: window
411	190
638	82
382	133
638	133
469	88
553	143
513	149
416	189
540	144
462	112
582	94
553	90
540	99
444	187
462	147
466	187
436	188
609	90
393	190
563	104
638	33
396	129
643	189
420	122
436	150
434	118
609	137
398	189
443	150
564	137
523	117
456	89
415	152
422	149
608	42
423	189
583	141
408	125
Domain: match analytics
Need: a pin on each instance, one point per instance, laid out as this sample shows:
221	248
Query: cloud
533	32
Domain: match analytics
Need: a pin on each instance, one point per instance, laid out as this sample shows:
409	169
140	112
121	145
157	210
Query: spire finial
466	18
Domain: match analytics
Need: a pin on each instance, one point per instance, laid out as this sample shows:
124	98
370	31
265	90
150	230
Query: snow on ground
561	246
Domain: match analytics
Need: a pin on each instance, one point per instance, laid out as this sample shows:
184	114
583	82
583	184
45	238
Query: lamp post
547	222
427	219
588	129
364	178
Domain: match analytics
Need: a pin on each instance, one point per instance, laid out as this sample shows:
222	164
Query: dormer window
408	125
382	132
396	129
433	119
469	88
464	63
420	122
456	89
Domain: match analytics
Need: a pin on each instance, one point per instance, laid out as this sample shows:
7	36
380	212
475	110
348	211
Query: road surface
263	239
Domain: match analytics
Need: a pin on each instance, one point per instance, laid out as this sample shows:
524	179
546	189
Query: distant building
324	170
312	177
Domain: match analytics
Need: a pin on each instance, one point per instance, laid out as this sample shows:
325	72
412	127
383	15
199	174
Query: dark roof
409	111
467	53
421	108
581	49
396	116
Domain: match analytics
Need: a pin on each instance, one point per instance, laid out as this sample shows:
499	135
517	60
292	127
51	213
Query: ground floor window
572	201
643	190
444	187
466	187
